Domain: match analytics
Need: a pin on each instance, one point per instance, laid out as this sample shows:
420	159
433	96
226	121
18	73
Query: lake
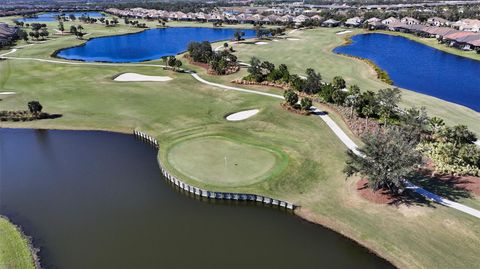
98	200
52	16
421	68
147	45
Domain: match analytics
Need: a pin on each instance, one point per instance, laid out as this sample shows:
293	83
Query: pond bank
17	248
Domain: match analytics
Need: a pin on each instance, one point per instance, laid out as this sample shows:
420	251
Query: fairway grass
221	161
15	251
410	236
313	49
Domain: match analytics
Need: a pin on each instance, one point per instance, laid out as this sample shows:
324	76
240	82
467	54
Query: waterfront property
147	45
417	67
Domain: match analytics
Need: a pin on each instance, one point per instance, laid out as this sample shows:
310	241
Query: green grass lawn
15	252
222	161
410	236
314	49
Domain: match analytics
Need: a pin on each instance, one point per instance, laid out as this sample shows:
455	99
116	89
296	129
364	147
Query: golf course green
278	154
225	162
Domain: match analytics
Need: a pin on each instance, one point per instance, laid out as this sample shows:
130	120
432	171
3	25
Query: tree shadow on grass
385	196
447	186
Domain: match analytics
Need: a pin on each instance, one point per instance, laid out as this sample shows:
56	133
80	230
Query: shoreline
29	240
298	212
375	67
417	39
381	73
57	51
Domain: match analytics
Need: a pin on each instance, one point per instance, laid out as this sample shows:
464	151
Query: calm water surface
97	200
147	45
420	68
51	16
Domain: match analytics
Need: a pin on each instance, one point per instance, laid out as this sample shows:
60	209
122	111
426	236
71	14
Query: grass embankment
415	236
15	252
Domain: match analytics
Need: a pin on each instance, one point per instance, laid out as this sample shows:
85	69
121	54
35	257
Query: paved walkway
352	146
330	123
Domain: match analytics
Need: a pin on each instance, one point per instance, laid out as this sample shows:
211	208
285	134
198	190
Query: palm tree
79	28
436	124
367	111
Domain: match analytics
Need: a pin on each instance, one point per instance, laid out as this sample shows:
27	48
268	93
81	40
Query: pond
147	45
421	68
98	200
52	16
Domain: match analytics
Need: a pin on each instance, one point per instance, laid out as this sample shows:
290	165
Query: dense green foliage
387	158
452	149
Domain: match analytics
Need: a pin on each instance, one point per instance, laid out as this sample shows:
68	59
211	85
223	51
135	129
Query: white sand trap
275	40
140	77
344	32
261	43
477	142
242	115
7	93
293	39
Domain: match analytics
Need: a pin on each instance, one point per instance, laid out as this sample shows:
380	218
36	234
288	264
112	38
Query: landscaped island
302	160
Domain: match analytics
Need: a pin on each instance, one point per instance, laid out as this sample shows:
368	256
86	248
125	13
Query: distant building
7	34
469	25
437	21
409	21
354	22
331	23
390	20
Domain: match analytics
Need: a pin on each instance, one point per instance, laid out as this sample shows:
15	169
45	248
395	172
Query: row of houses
211	17
7	34
465	40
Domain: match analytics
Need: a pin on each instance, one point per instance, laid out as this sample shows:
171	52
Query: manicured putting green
223	162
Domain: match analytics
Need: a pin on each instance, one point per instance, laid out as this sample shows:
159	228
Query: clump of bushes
34	112
452	149
219	63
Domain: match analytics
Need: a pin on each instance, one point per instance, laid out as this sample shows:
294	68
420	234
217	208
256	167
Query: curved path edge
353	147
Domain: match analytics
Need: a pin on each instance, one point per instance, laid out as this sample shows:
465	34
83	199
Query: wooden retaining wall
211	194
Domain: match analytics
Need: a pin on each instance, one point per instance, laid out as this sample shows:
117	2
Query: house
390	21
300	19
437	21
373	20
354	22
286	19
7	34
330	23
409	21
317	18
470	25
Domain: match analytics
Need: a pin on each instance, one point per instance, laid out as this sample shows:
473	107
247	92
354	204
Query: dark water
147	45
420	68
97	200
51	16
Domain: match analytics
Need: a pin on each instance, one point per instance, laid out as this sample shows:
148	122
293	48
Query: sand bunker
275	40
477	142
344	32
293	39
242	115
261	43
7	93
140	77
